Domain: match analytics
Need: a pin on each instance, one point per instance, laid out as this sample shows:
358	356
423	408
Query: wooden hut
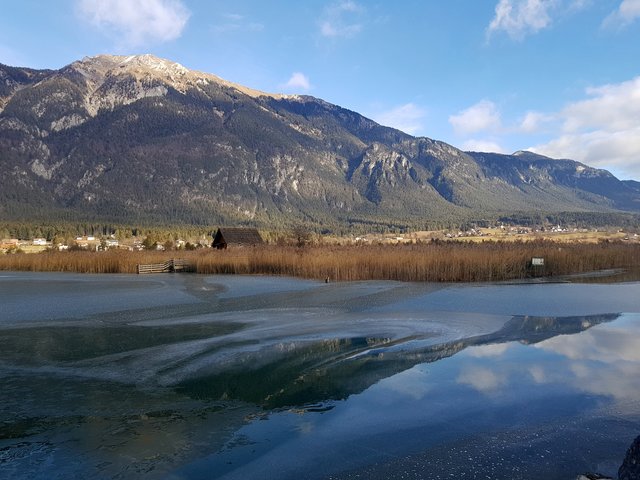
236	236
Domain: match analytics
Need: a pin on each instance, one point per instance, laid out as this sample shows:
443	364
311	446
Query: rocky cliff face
138	137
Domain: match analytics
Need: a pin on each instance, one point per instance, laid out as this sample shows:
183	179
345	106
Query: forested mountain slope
139	138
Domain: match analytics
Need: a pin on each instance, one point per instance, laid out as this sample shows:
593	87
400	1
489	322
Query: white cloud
612	107
619	151
298	81
521	17
602	130
482	116
625	14
408	118
342	19
479	145
138	22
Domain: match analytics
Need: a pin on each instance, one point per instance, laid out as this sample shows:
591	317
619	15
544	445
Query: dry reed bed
433	262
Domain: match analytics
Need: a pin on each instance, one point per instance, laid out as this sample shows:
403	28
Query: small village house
9	243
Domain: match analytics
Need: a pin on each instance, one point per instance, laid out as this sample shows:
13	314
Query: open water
204	377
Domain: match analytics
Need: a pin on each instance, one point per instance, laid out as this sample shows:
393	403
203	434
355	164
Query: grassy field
506	234
433	261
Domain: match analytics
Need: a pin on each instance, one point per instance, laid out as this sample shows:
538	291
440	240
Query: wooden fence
170	266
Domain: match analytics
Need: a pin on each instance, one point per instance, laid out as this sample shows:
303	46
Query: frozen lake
201	377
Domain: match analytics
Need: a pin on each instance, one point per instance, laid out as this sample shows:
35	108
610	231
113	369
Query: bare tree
301	235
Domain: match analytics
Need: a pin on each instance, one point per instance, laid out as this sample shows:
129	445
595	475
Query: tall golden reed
430	262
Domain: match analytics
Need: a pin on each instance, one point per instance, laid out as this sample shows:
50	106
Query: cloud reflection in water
603	360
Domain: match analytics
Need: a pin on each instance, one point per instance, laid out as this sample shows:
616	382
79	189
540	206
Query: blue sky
560	77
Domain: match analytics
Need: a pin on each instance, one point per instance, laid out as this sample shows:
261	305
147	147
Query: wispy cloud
408	117
342	19
482	379
519	18
489	351
10	56
297	82
413	383
601	130
483	116
627	13
577	5
233	22
533	122
234	17
139	22
538	374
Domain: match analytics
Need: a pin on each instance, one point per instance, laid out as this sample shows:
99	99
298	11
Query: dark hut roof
237	236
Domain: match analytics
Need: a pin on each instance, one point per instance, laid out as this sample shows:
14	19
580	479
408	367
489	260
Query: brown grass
432	262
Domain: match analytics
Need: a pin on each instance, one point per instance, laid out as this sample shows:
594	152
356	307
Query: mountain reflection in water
303	374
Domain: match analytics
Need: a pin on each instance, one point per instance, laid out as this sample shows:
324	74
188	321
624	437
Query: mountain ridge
127	138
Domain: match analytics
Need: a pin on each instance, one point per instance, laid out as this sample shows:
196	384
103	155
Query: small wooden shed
236	236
